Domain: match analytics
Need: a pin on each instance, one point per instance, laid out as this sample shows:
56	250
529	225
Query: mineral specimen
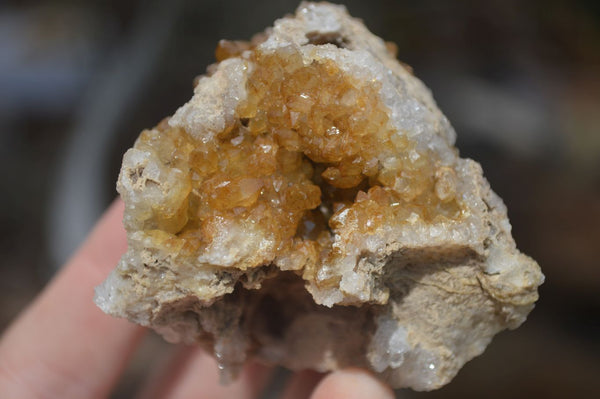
307	207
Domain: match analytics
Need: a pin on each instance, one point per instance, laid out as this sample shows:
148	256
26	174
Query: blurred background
520	82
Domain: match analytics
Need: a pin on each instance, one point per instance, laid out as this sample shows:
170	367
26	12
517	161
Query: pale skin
63	346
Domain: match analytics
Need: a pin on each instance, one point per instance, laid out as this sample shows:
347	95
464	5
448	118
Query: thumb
350	384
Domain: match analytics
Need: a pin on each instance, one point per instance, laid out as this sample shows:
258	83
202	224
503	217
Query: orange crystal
306	146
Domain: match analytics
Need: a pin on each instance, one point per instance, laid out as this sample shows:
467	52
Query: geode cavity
308	207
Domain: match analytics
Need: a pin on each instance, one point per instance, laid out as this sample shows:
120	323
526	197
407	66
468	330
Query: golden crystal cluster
312	149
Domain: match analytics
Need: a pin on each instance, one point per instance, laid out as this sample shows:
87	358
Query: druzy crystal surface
307	207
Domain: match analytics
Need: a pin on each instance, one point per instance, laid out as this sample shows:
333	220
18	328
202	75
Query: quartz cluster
307	207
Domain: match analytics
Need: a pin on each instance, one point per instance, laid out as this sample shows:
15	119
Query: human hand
63	346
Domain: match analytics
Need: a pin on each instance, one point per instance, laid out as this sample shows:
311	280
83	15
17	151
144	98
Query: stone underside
307	207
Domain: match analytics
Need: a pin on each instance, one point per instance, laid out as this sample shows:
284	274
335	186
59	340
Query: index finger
63	346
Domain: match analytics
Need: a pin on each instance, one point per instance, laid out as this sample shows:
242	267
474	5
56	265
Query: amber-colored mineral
307	207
